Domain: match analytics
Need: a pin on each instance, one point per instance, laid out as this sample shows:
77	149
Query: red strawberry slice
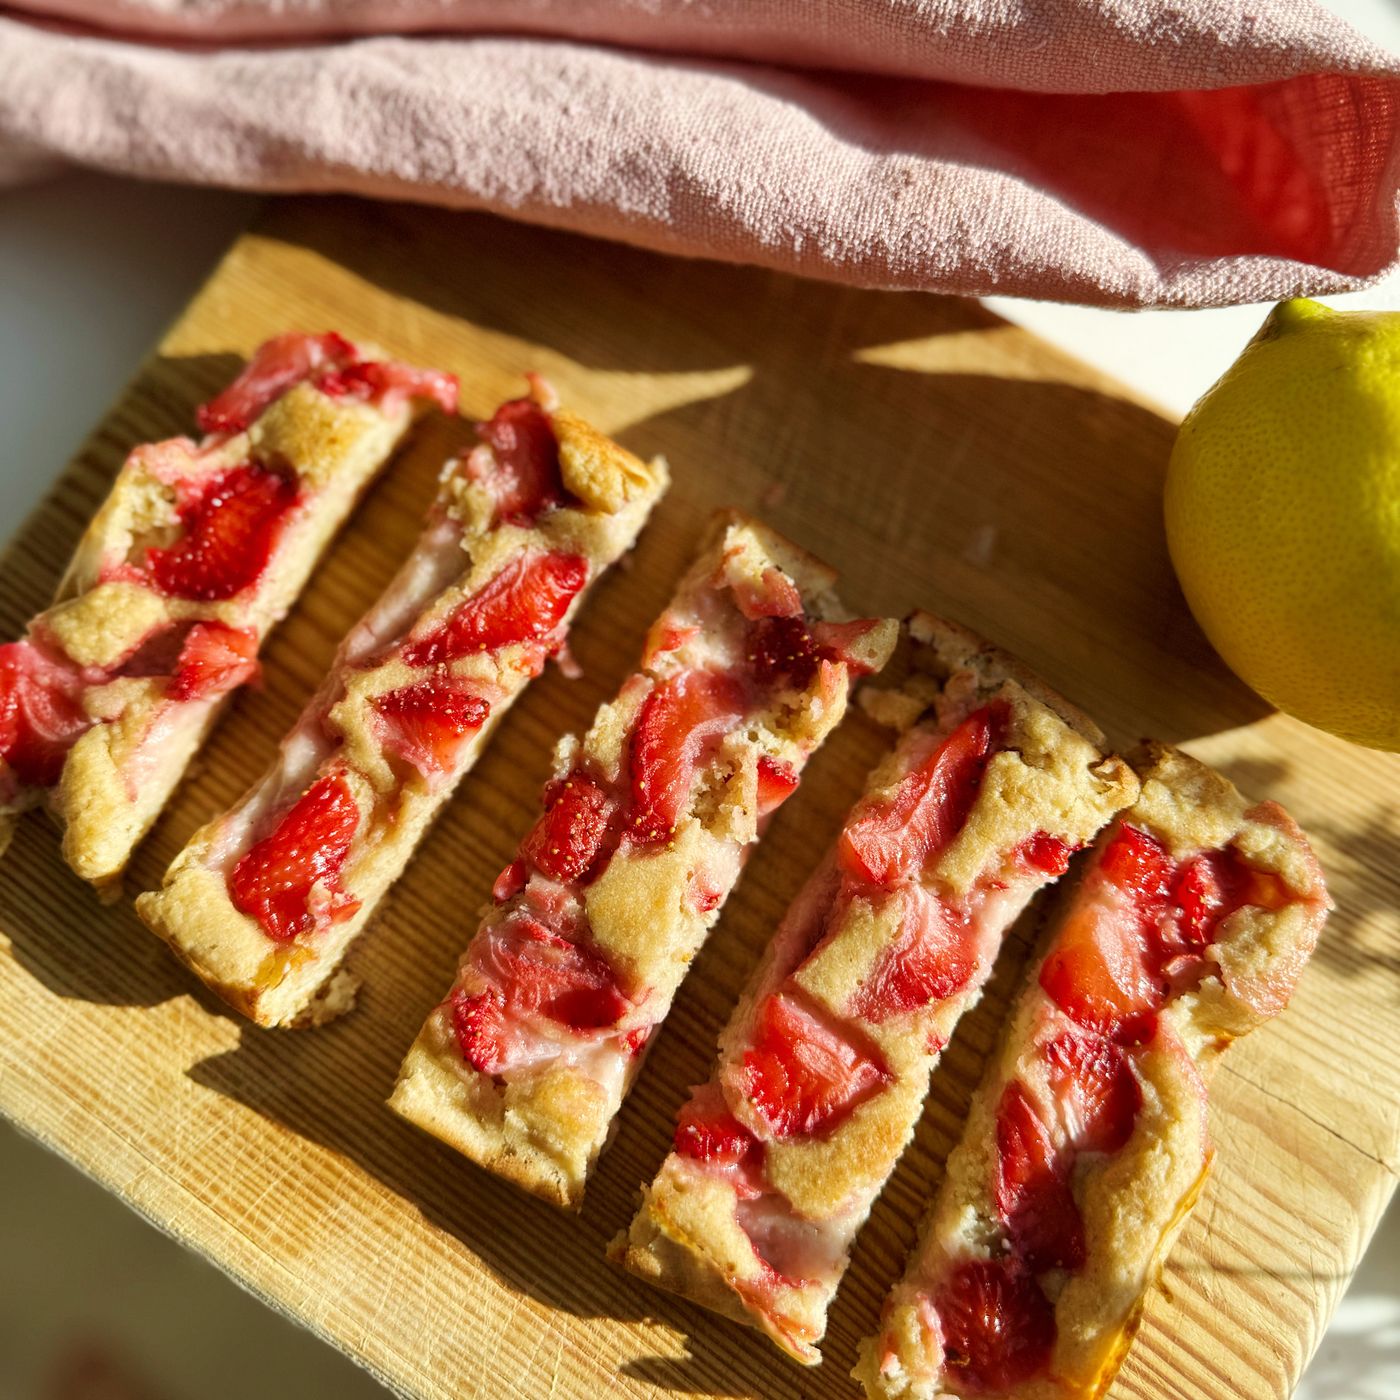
389	385
1045	854
519	464
932	959
708	1132
802	1077
524	602
1139	865
479	1023
1098	1093
837	641
41	714
540	973
889	839
680	722
998	1327
1033	1197
774	595
510	881
782	650
426	723
565	842
276	365
777	781
290	880
214	658
232	522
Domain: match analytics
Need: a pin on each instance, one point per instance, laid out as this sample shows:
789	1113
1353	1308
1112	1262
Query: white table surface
91	270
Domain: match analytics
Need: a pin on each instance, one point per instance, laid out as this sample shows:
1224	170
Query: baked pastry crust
755	1210
1234	894
525	1063
197	552
527	520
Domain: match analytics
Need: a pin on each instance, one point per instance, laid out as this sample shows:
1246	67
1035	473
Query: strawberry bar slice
825	1065
198	551
1086	1146
265	901
644	830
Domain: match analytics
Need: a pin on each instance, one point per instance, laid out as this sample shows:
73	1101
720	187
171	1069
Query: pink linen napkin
1118	152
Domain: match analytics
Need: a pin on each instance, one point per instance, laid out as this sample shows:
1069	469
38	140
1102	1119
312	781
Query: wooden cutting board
938	456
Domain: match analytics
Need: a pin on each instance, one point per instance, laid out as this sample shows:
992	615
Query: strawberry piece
783	650
41	715
889	839
1098	1093
667	635
510	881
777	781
214	658
708	1132
1045	853
932	958
837	641
479	1023
774	595
543	974
1139	865
519	464
232	522
277	364
426	723
290	880
801	1076
524	602
682	718
1032	1191
998	1327
388	384
564	843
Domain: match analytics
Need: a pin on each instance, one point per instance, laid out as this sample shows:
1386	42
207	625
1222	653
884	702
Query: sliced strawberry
290	880
777	781
519	464
1045	853
1139	865
802	1077
276	365
1098	1093
510	881
564	843
932	959
232	522
213	659
998	1327
708	1132
889	839
41	714
1033	1197
837	641
782	650
524	602
667	635
479	1023
426	723
774	595
680	721
541	973
389	384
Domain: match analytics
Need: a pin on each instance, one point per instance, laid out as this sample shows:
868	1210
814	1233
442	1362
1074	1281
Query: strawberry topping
801	1076
40	714
774	595
519	464
1045	853
1032	1187
890	839
232	522
276	365
290	880
998	1327
680	721
777	781
426	722
1098	1093
510	881
564	843
479	1023
524	602
390	384
708	1132
932	958
214	658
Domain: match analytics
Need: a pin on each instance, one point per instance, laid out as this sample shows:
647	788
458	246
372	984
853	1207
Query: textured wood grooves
937	456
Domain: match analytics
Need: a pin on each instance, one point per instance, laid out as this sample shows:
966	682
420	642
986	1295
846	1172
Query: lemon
1283	517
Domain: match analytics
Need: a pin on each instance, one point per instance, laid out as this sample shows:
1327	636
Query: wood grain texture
937	456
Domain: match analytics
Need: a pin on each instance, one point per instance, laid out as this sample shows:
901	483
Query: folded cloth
1117	152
